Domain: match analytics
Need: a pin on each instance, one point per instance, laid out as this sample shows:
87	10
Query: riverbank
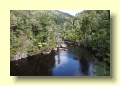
58	47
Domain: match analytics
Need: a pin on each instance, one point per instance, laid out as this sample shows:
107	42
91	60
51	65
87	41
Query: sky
72	12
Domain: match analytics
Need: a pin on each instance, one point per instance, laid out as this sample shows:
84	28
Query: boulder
46	53
63	45
55	49
66	49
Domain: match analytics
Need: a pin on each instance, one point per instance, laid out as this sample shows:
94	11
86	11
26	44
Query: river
76	61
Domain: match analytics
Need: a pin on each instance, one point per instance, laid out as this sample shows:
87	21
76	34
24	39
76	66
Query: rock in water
66	49
55	49
63	45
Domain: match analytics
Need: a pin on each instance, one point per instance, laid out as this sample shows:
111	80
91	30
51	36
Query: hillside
61	17
30	27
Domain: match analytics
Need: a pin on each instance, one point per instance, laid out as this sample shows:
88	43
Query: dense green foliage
34	32
91	29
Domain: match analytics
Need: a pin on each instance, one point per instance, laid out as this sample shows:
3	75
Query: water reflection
87	63
58	56
37	65
84	66
74	62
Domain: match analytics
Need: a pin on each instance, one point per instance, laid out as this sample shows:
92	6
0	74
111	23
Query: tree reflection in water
74	62
36	65
85	62
84	66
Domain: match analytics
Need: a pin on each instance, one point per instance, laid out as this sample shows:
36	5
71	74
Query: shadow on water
36	65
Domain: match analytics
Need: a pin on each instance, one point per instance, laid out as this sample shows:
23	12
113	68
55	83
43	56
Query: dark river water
76	61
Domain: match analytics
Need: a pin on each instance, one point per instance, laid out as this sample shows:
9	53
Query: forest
38	31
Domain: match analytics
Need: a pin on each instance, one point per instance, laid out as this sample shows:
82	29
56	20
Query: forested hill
34	31
58	16
90	28
61	17
60	13
28	28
